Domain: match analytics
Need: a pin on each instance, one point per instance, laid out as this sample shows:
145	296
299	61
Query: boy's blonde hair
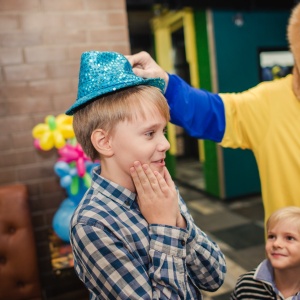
289	213
108	110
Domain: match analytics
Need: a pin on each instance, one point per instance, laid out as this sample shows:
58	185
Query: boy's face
142	139
283	245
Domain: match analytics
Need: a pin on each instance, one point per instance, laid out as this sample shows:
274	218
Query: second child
278	276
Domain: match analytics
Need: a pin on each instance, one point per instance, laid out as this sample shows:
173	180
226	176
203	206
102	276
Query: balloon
62	218
36	144
66	172
67	203
74	153
74	185
61	168
65	126
80	166
73	167
54	132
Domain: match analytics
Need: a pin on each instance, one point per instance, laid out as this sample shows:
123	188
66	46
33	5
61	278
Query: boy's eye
149	133
290	238
271	236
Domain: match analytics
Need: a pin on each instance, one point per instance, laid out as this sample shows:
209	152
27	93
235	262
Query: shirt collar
111	189
265	273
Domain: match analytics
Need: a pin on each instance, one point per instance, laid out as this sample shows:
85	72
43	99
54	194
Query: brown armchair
19	276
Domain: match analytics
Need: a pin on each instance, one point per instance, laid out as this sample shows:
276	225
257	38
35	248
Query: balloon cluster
53	133
73	166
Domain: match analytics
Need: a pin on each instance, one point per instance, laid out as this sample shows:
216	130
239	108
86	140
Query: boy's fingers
141	174
152	180
162	183
146	186
168	178
136	180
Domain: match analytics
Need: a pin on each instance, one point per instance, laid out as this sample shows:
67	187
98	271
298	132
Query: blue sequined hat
105	72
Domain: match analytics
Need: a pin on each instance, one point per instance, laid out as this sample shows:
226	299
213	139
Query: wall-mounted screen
275	63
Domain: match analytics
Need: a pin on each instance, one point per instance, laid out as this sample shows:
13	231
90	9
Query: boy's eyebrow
152	125
285	232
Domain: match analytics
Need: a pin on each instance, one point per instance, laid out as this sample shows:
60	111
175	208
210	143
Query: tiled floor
236	225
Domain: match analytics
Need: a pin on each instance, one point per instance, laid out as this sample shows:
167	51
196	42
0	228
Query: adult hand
144	65
157	195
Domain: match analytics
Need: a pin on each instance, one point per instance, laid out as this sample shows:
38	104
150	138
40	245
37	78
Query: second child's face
283	246
142	140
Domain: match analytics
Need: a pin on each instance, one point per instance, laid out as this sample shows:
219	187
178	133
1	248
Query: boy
278	276
128	243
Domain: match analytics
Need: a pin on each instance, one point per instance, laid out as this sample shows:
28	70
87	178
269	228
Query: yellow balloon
67	131
39	130
65	126
59	140
46	141
54	132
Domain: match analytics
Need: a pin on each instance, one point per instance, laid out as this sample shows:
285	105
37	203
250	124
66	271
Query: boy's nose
277	243
164	144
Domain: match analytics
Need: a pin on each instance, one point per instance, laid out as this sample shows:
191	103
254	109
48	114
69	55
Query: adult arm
199	112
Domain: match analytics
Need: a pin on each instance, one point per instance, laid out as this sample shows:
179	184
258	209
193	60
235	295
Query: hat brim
83	101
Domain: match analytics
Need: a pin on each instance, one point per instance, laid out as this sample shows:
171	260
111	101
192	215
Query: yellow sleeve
247	116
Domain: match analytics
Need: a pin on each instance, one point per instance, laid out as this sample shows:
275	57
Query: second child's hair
288	213
107	111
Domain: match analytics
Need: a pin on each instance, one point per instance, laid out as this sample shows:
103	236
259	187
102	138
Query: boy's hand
157	196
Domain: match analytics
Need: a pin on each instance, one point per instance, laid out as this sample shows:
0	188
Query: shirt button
127	202
183	243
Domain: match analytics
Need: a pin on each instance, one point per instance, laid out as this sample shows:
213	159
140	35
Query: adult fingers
139	60
142	73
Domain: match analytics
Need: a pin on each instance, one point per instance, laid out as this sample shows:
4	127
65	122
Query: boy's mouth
277	254
160	161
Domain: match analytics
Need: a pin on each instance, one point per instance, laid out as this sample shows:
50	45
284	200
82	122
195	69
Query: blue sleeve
199	112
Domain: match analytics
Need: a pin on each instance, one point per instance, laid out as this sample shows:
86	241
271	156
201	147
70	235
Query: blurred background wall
40	46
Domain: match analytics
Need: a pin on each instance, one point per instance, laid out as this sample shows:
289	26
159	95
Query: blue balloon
61	168
68	203
62	218
66	181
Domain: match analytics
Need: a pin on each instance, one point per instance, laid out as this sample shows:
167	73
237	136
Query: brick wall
40	46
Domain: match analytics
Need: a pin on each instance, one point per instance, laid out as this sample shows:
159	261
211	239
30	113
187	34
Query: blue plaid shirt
118	255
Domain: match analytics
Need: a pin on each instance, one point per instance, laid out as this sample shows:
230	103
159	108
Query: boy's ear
101	141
